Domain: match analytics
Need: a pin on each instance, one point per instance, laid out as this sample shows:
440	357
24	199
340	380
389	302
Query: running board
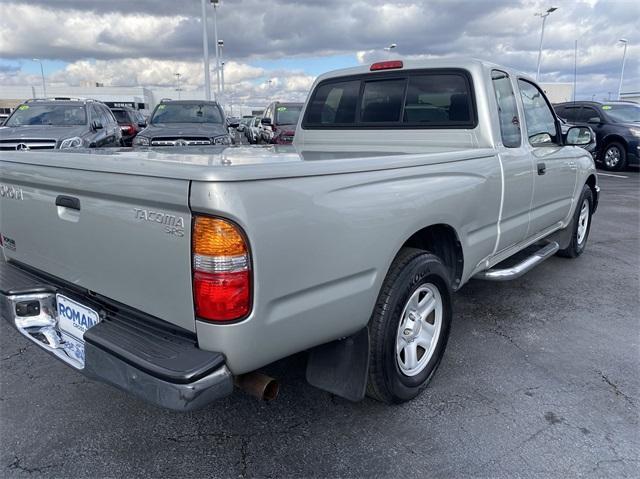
521	268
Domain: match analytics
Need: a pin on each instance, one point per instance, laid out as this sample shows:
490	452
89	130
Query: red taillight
128	129
221	273
222	296
388	65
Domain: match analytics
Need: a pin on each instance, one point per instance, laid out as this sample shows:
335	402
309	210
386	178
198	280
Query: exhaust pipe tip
258	385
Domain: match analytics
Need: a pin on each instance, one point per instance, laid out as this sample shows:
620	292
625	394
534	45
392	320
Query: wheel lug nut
406	332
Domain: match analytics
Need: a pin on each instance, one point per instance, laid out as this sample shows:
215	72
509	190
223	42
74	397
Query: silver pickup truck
175	274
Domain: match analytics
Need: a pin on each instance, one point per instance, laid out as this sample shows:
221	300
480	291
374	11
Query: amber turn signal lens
216	237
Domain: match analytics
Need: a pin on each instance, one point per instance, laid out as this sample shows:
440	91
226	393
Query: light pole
205	46
215	4
178	84
222	81
221	72
625	42
44	86
544	19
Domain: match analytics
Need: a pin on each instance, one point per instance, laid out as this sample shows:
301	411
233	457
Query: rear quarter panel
322	245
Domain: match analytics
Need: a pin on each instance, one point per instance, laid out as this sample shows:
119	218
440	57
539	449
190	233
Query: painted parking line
614	176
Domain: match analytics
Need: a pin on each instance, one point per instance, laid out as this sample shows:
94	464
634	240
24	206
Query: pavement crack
17	465
244	446
20	351
615	388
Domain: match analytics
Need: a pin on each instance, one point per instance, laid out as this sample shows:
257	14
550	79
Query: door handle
542	168
68	202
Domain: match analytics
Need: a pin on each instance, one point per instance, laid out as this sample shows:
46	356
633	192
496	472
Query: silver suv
48	123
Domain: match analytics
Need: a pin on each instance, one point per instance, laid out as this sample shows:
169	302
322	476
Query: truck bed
238	163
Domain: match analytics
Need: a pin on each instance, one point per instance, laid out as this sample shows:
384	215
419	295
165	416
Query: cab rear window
416	99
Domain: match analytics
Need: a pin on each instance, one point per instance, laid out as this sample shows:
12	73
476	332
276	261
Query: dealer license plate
73	320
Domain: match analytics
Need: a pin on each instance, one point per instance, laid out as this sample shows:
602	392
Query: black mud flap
341	367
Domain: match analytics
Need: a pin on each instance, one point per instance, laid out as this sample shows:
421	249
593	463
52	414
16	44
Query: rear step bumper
142	356
507	274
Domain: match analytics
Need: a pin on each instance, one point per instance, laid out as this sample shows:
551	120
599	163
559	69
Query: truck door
555	168
516	163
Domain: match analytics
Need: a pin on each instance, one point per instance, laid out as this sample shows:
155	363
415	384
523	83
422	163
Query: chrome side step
521	268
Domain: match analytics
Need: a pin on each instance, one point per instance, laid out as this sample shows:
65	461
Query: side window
334	103
95	114
507	109
588	113
442	99
108	115
570	113
382	101
541	125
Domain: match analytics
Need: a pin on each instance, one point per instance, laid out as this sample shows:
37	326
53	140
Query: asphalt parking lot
541	378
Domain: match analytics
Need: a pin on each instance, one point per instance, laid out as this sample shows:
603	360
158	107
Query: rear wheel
581	225
614	157
409	328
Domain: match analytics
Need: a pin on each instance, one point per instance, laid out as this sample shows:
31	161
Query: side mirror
594	120
142	124
266	121
96	125
579	136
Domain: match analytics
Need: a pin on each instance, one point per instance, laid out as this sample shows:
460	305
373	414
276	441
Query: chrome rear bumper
149	359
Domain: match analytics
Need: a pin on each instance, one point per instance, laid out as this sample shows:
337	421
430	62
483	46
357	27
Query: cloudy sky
289	42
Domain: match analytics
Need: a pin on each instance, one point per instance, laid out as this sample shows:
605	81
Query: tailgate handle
68	202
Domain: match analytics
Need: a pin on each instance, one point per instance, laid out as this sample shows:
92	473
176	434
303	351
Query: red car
282	119
131	122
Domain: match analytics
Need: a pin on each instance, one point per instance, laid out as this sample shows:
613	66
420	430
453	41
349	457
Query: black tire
411	269
577	247
618	150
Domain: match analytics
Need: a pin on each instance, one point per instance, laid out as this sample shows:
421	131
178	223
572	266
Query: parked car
280	121
407	180
242	124
45	124
617	128
186	123
253	130
131	122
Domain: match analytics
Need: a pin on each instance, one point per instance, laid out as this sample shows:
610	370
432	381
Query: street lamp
215	4
544	16
625	42
205	47
221	70
44	86
178	84
390	47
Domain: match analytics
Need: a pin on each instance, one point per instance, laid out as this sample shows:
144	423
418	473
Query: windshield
288	114
55	115
186	113
623	113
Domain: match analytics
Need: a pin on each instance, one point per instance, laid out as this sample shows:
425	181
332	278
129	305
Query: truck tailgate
128	241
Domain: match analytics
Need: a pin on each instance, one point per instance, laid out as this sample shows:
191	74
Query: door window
570	113
507	109
541	124
587	113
